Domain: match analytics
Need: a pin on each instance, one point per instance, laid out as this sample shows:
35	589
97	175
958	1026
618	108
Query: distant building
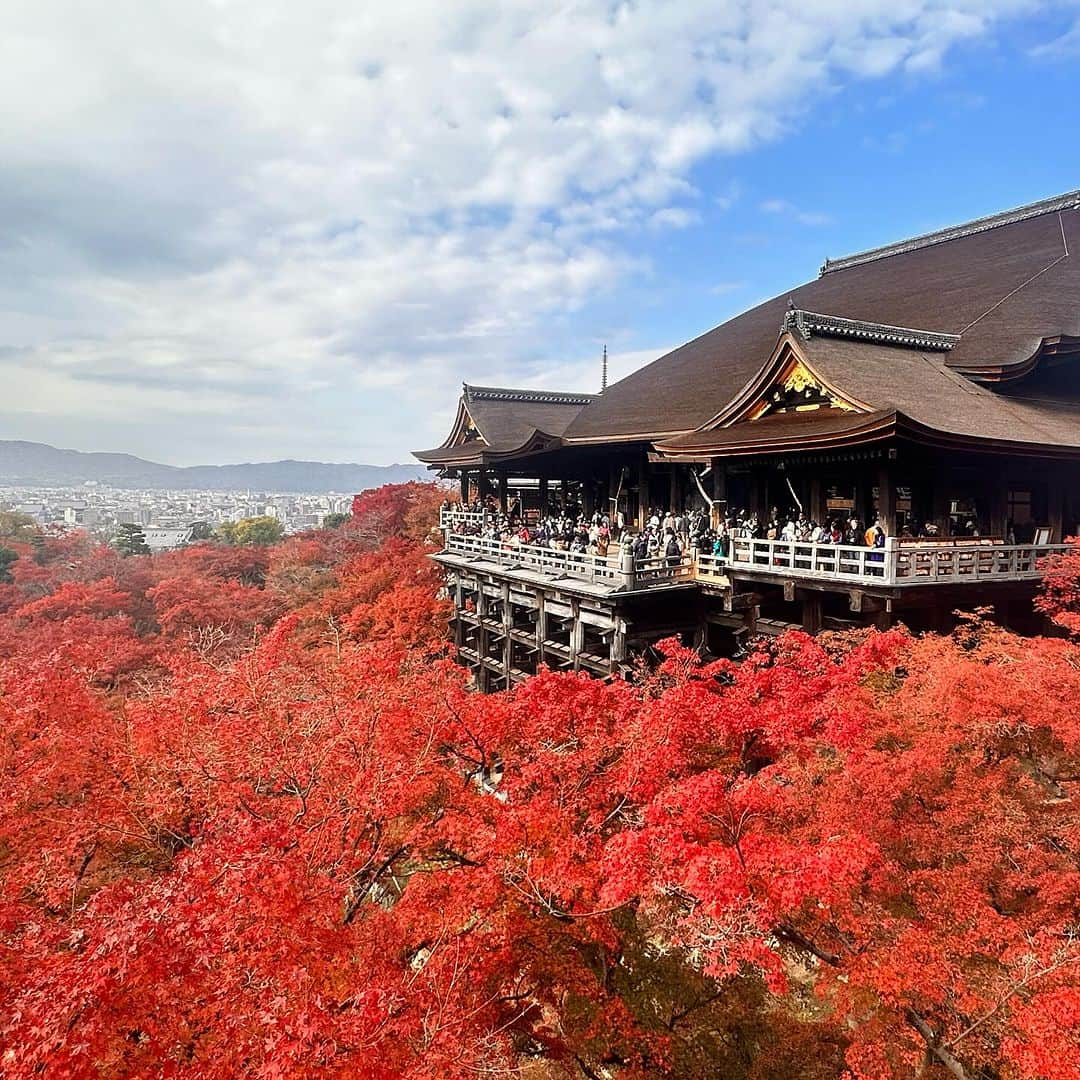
35	510
160	539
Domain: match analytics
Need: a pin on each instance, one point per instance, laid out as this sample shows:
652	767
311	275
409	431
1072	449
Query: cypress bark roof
906	389
1000	286
495	422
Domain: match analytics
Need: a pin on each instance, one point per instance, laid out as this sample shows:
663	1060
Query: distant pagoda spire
603	372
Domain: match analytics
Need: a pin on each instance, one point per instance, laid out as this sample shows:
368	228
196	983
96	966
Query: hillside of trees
253	822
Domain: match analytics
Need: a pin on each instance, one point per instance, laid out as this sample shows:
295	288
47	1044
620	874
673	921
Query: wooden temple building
932	380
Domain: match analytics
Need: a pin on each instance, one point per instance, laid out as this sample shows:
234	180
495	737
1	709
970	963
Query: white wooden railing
836	562
456	517
900	563
965	560
619	570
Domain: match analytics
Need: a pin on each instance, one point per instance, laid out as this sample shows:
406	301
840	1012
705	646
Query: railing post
891	554
626	565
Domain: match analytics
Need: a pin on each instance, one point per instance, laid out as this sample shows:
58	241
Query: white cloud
789	210
674	217
323	215
1065	45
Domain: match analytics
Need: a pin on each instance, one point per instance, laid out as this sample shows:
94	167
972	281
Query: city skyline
256	233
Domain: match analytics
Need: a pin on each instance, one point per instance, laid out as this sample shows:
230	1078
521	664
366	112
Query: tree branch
935	1047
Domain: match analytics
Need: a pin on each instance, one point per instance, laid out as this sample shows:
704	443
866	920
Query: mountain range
37	464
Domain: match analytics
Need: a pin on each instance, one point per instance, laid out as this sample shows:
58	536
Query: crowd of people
668	533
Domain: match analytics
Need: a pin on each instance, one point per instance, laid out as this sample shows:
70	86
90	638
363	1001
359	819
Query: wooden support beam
577	635
789	591
862	602
742	601
459	607
811	611
545	498
504	493
617	651
508	622
541	624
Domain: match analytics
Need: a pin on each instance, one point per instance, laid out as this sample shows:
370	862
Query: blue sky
260	231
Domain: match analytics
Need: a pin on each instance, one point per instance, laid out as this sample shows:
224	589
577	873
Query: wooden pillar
481	638
643	491
816	499
482	488
503	492
588	494
1055	506
508	641
811	611
719	493
464	486
617	652
998	499
940	514
887	498
577	634
541	627
459	607
565	489
759	492
673	489
544	497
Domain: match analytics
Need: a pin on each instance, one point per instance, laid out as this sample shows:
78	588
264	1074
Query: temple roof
495	422
900	389
986	295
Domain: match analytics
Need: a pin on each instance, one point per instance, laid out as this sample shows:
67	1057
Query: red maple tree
252	822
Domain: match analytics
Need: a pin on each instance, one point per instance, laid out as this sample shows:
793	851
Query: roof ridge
808	323
1056	203
504	393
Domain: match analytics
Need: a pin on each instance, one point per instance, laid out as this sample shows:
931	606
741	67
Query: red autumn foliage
406	510
270	832
1060	596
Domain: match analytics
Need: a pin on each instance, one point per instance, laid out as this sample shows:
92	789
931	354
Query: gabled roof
900	389
494	423
991	290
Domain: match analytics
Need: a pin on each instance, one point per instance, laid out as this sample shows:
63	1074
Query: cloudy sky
250	229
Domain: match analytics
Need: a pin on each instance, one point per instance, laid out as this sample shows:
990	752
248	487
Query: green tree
332	521
7	559
131	540
201	530
263	531
16	526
